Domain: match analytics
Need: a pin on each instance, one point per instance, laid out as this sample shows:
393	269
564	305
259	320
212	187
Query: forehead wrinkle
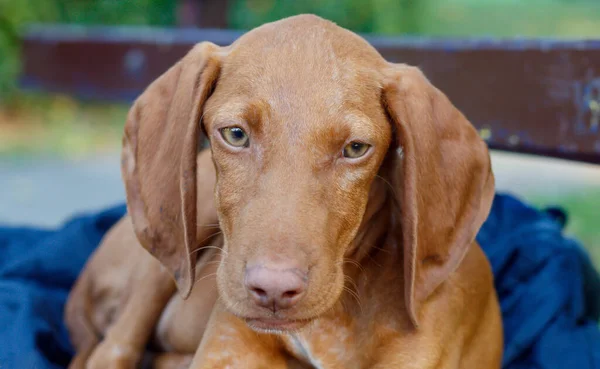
232	111
329	140
297	62
253	113
302	85
361	126
297	78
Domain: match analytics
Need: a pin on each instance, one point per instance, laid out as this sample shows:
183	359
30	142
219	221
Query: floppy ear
443	179
158	164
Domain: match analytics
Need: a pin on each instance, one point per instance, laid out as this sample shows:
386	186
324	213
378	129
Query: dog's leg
167	360
126	339
77	317
81	357
229	343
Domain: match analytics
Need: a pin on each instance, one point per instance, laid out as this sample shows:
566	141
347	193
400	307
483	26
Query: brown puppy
349	191
117	301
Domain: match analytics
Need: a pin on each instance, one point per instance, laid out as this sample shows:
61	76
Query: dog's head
302	117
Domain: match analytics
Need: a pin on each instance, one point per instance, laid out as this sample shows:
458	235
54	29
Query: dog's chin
282	322
275	325
262	321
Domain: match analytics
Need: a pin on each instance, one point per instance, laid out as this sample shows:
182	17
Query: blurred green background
42	125
498	18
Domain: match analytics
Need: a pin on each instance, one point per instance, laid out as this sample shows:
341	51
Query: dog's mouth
274	325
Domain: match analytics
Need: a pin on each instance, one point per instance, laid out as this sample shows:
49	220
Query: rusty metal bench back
528	96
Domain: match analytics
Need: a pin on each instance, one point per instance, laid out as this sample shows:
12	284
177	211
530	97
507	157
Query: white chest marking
302	346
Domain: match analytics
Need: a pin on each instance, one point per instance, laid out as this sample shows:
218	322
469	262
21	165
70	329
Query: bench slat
529	96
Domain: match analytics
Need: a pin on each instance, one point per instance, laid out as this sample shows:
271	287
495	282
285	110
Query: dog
348	190
118	299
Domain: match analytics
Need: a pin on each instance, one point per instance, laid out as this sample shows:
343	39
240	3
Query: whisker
389	185
344	308
380	249
355	295
211	236
206	247
214	262
206	276
351	281
373	260
354	262
204	112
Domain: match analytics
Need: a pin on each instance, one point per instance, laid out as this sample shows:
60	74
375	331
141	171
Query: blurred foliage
14	14
582	208
499	18
60	125
112	12
376	16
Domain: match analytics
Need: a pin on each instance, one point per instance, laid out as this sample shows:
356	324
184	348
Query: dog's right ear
158	163
443	179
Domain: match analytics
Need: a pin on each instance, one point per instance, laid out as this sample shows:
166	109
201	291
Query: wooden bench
527	96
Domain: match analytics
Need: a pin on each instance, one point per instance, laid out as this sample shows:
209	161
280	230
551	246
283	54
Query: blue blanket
548	289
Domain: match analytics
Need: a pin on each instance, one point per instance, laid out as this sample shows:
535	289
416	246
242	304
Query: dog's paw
113	355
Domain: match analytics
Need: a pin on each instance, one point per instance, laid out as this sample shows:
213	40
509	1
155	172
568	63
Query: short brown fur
385	243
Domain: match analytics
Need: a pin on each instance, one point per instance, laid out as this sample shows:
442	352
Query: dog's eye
235	136
355	149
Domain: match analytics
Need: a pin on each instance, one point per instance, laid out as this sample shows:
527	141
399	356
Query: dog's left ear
443	179
160	163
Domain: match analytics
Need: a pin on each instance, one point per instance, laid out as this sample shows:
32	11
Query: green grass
583	210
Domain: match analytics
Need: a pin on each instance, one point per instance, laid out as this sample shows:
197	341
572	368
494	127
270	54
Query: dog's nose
275	287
